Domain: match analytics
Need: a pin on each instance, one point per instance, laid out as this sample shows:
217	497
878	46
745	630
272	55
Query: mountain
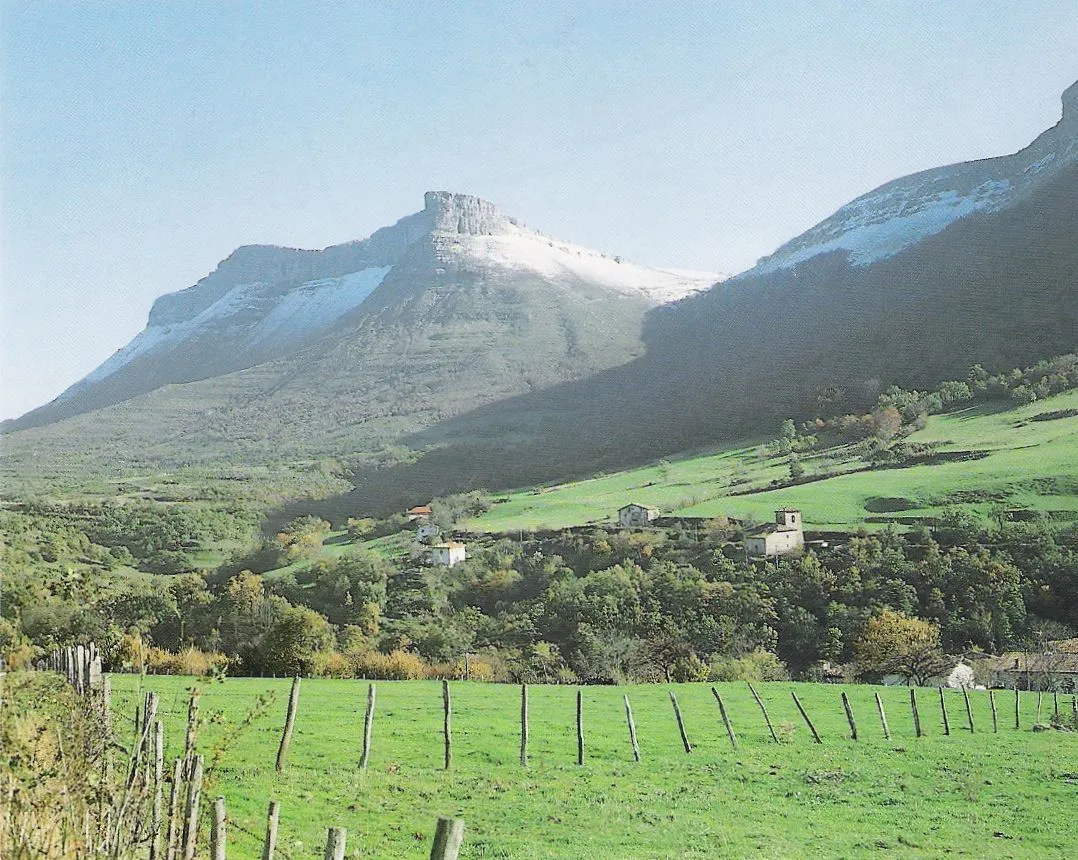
911	283
458	349
341	350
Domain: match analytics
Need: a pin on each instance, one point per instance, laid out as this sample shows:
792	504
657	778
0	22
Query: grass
1030	464
1010	794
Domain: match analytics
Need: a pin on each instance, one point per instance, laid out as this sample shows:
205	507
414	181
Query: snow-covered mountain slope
525	250
903	212
302	313
264	303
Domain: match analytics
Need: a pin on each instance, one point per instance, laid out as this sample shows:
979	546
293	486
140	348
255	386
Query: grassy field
1011	794
1028	464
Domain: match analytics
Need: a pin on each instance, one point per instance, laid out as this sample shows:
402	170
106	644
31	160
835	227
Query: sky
140	143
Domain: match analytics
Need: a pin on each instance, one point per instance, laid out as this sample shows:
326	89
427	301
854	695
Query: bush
395	666
332	664
688	669
189	661
760	665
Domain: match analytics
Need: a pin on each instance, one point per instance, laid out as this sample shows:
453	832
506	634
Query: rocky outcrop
464	214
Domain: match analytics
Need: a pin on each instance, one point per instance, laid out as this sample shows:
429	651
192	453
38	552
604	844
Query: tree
894	643
303	537
293	642
888	421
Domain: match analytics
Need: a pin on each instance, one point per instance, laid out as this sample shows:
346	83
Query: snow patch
551	258
881	225
308	309
317	305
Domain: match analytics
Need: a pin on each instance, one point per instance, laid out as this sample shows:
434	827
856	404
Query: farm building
419	512
633	516
785	535
957	675
448	554
1055	668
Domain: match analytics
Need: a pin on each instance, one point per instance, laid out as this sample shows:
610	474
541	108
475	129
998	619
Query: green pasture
1029	464
1008	794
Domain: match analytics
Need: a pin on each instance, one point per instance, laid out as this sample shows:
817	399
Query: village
1054	668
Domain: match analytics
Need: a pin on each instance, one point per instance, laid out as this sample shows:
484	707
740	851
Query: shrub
395	666
760	665
332	664
688	669
189	661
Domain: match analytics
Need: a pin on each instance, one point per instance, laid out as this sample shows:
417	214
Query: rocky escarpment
270	264
901	213
464	214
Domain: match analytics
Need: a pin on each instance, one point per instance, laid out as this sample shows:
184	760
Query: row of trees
592	606
898	408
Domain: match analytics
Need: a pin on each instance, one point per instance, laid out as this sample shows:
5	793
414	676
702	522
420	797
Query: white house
785	535
447	554
956	675
636	516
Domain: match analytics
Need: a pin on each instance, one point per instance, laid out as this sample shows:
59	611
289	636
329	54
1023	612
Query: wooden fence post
368	724
1017	708
172	830
158	788
447	723
192	731
523	725
191	809
289	724
1055	703
273	816
767	719
883	717
448	837
1039	696
217	831
969	710
943	710
812	728
849	715
632	729
336	837
106	703
995	715
580	727
725	719
916	714
680	723
80	669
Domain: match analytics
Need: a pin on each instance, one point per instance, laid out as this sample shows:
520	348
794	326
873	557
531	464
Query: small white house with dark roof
785	535
633	516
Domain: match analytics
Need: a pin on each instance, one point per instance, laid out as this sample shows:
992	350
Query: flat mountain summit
265	302
283	351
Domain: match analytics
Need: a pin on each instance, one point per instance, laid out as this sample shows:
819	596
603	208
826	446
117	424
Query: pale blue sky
142	142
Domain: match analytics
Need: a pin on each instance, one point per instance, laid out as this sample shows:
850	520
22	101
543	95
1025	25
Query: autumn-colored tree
894	643
887	421
303	537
